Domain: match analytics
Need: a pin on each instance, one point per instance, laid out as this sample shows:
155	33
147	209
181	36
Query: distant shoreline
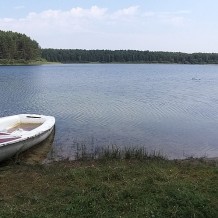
124	63
126	56
36	63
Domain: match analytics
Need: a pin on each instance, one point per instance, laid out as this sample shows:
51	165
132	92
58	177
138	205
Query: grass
110	187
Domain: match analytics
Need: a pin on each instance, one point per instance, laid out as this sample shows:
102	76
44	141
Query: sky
155	25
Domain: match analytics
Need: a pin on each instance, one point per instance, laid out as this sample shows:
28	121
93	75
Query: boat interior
23	126
16	126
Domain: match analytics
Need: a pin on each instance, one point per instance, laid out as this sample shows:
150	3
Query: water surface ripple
169	108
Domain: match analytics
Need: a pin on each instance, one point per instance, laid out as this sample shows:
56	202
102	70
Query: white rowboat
20	132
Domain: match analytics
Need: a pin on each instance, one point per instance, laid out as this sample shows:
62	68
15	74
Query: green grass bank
110	188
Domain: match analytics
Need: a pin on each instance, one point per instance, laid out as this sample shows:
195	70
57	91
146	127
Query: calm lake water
168	108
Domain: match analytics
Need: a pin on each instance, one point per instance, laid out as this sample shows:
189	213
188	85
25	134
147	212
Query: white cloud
130	11
95	27
86	19
93	12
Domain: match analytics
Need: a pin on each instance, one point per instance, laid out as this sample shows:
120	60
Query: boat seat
7	137
18	132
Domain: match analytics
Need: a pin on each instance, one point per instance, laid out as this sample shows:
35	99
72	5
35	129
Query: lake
168	108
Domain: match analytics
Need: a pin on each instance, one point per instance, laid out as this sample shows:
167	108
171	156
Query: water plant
115	152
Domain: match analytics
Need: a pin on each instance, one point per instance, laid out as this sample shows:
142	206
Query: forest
18	48
126	56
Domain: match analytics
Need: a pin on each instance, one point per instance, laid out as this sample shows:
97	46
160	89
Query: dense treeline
18	48
126	56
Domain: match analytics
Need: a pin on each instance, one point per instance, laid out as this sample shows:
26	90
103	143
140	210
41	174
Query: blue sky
156	25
